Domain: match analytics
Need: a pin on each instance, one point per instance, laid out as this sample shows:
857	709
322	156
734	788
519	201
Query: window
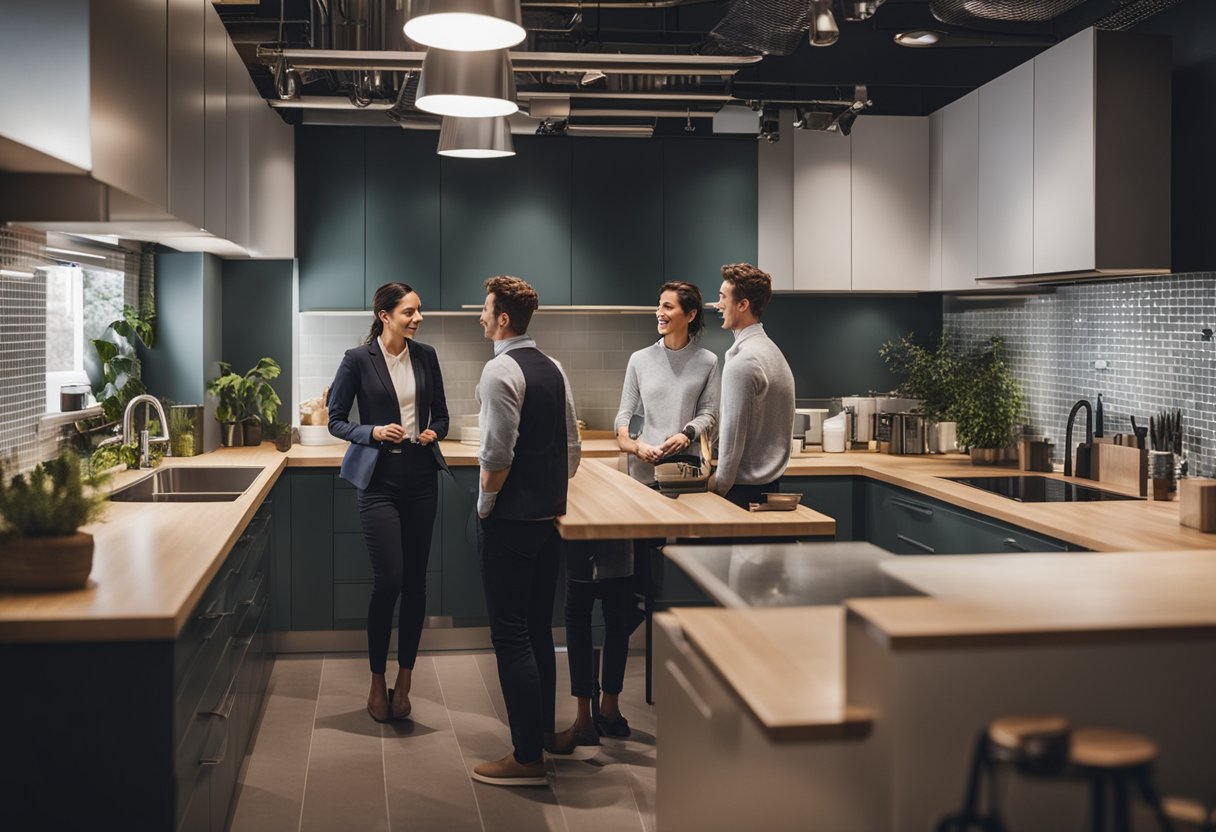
80	305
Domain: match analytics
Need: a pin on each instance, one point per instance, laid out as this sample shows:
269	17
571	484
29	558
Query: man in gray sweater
757	402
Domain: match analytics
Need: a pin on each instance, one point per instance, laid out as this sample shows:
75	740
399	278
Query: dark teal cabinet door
841	498
330	217
402	229
616	222
508	216
312	544
709	209
280	556
463	598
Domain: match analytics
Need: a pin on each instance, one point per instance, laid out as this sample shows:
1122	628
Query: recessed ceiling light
920	38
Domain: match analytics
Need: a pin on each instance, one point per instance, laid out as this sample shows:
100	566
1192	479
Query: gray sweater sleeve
574	448
739	390
501	391
706	417
631	396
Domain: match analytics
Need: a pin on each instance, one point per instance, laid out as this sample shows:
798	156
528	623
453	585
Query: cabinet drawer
346	511
350	601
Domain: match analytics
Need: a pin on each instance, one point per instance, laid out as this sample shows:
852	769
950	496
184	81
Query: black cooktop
1031	489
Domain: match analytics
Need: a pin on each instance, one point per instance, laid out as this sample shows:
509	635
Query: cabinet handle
218	757
212	615
1010	543
707	713
917	544
228	700
915	508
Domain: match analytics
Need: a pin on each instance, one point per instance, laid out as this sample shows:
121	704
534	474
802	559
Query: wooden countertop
786	666
1045	598
151	562
606	504
1118	526
456	453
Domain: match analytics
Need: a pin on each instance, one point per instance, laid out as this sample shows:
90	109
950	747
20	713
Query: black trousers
741	495
397	511
519	566
621	618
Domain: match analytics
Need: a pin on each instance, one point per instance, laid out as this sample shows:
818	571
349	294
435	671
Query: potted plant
932	377
245	402
280	433
41	547
113	367
989	402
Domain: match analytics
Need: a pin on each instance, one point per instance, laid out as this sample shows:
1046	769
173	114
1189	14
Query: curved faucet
1089	440
128	427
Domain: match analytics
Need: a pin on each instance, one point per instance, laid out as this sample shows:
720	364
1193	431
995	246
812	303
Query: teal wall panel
508	216
330	217
213	340
402	207
616	221
257	319
709	208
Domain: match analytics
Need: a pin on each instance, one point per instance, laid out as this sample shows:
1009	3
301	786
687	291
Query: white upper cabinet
186	109
775	208
960	170
238	97
823	212
936	127
215	161
890	193
1006	174
272	184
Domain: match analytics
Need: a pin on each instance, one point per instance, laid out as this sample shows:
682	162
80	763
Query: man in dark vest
529	449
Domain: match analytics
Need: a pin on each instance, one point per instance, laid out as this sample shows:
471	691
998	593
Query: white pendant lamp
475	138
466	84
466	25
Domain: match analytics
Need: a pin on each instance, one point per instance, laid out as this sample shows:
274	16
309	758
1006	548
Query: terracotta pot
987	456
46	563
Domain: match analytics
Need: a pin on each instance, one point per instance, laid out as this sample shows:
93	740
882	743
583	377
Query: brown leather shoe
510	772
565	742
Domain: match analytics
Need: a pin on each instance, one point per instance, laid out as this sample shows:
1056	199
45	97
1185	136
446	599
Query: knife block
1197	506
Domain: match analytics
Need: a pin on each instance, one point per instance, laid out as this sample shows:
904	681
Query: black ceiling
899	80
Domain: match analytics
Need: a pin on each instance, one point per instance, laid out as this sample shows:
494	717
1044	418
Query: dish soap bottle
1098	417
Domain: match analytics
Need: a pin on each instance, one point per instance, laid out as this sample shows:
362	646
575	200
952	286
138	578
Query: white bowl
317	435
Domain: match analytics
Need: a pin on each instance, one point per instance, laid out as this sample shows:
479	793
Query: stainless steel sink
189	485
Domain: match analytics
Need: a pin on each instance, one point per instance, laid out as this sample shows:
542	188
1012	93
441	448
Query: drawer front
981	536
350	601
194	803
902	523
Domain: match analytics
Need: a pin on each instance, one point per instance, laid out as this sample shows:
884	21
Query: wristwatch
689	432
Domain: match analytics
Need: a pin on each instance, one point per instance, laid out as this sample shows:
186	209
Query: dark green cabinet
616	222
330	217
709	209
312	549
463	597
907	523
841	498
402	208
510	216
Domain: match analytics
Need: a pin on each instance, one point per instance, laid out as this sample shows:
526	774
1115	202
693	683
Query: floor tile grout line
549	764
388	812
311	735
463	761
629	777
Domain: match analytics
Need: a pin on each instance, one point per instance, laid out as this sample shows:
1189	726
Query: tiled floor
320	763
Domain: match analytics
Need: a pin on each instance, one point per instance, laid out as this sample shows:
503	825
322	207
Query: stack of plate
470	436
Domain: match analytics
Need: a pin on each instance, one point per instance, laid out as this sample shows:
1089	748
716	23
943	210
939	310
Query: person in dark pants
394	461
529	450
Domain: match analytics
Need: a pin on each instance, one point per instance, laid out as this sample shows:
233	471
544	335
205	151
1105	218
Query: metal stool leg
1122	814
970	817
1144	782
1097	804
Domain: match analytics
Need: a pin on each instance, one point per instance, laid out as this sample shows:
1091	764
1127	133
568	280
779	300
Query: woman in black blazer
394	461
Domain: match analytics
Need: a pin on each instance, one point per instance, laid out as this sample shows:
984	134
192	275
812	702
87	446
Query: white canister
833	435
814	423
863	418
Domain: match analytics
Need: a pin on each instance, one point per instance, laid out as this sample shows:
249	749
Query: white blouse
401	371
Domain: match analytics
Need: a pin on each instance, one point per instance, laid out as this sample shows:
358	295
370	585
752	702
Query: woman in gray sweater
673	385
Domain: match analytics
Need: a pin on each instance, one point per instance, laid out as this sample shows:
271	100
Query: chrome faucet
1084	467
145	441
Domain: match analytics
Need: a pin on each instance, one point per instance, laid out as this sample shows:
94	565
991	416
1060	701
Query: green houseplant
113	368
245	402
932	376
989	403
41	547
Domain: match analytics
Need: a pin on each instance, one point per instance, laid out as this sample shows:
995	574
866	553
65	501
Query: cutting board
1121	467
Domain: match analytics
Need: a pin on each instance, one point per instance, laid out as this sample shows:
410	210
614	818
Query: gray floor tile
428	785
483	736
345	789
272	780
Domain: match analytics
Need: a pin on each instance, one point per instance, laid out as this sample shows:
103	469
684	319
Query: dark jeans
519	566
741	495
621	618
397	511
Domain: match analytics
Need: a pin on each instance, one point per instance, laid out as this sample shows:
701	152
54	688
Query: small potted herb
228	389
989	403
245	402
41	545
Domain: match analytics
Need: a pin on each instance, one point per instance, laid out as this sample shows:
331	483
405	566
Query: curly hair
516	298
750	284
690	300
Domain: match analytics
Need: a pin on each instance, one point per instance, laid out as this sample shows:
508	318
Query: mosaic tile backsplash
1137	342
593	350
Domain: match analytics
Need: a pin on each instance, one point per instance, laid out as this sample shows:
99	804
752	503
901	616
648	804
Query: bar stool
1190	815
1042	745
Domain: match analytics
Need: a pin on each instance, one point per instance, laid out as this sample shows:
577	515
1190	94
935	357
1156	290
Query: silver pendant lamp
466	84
475	138
466	25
